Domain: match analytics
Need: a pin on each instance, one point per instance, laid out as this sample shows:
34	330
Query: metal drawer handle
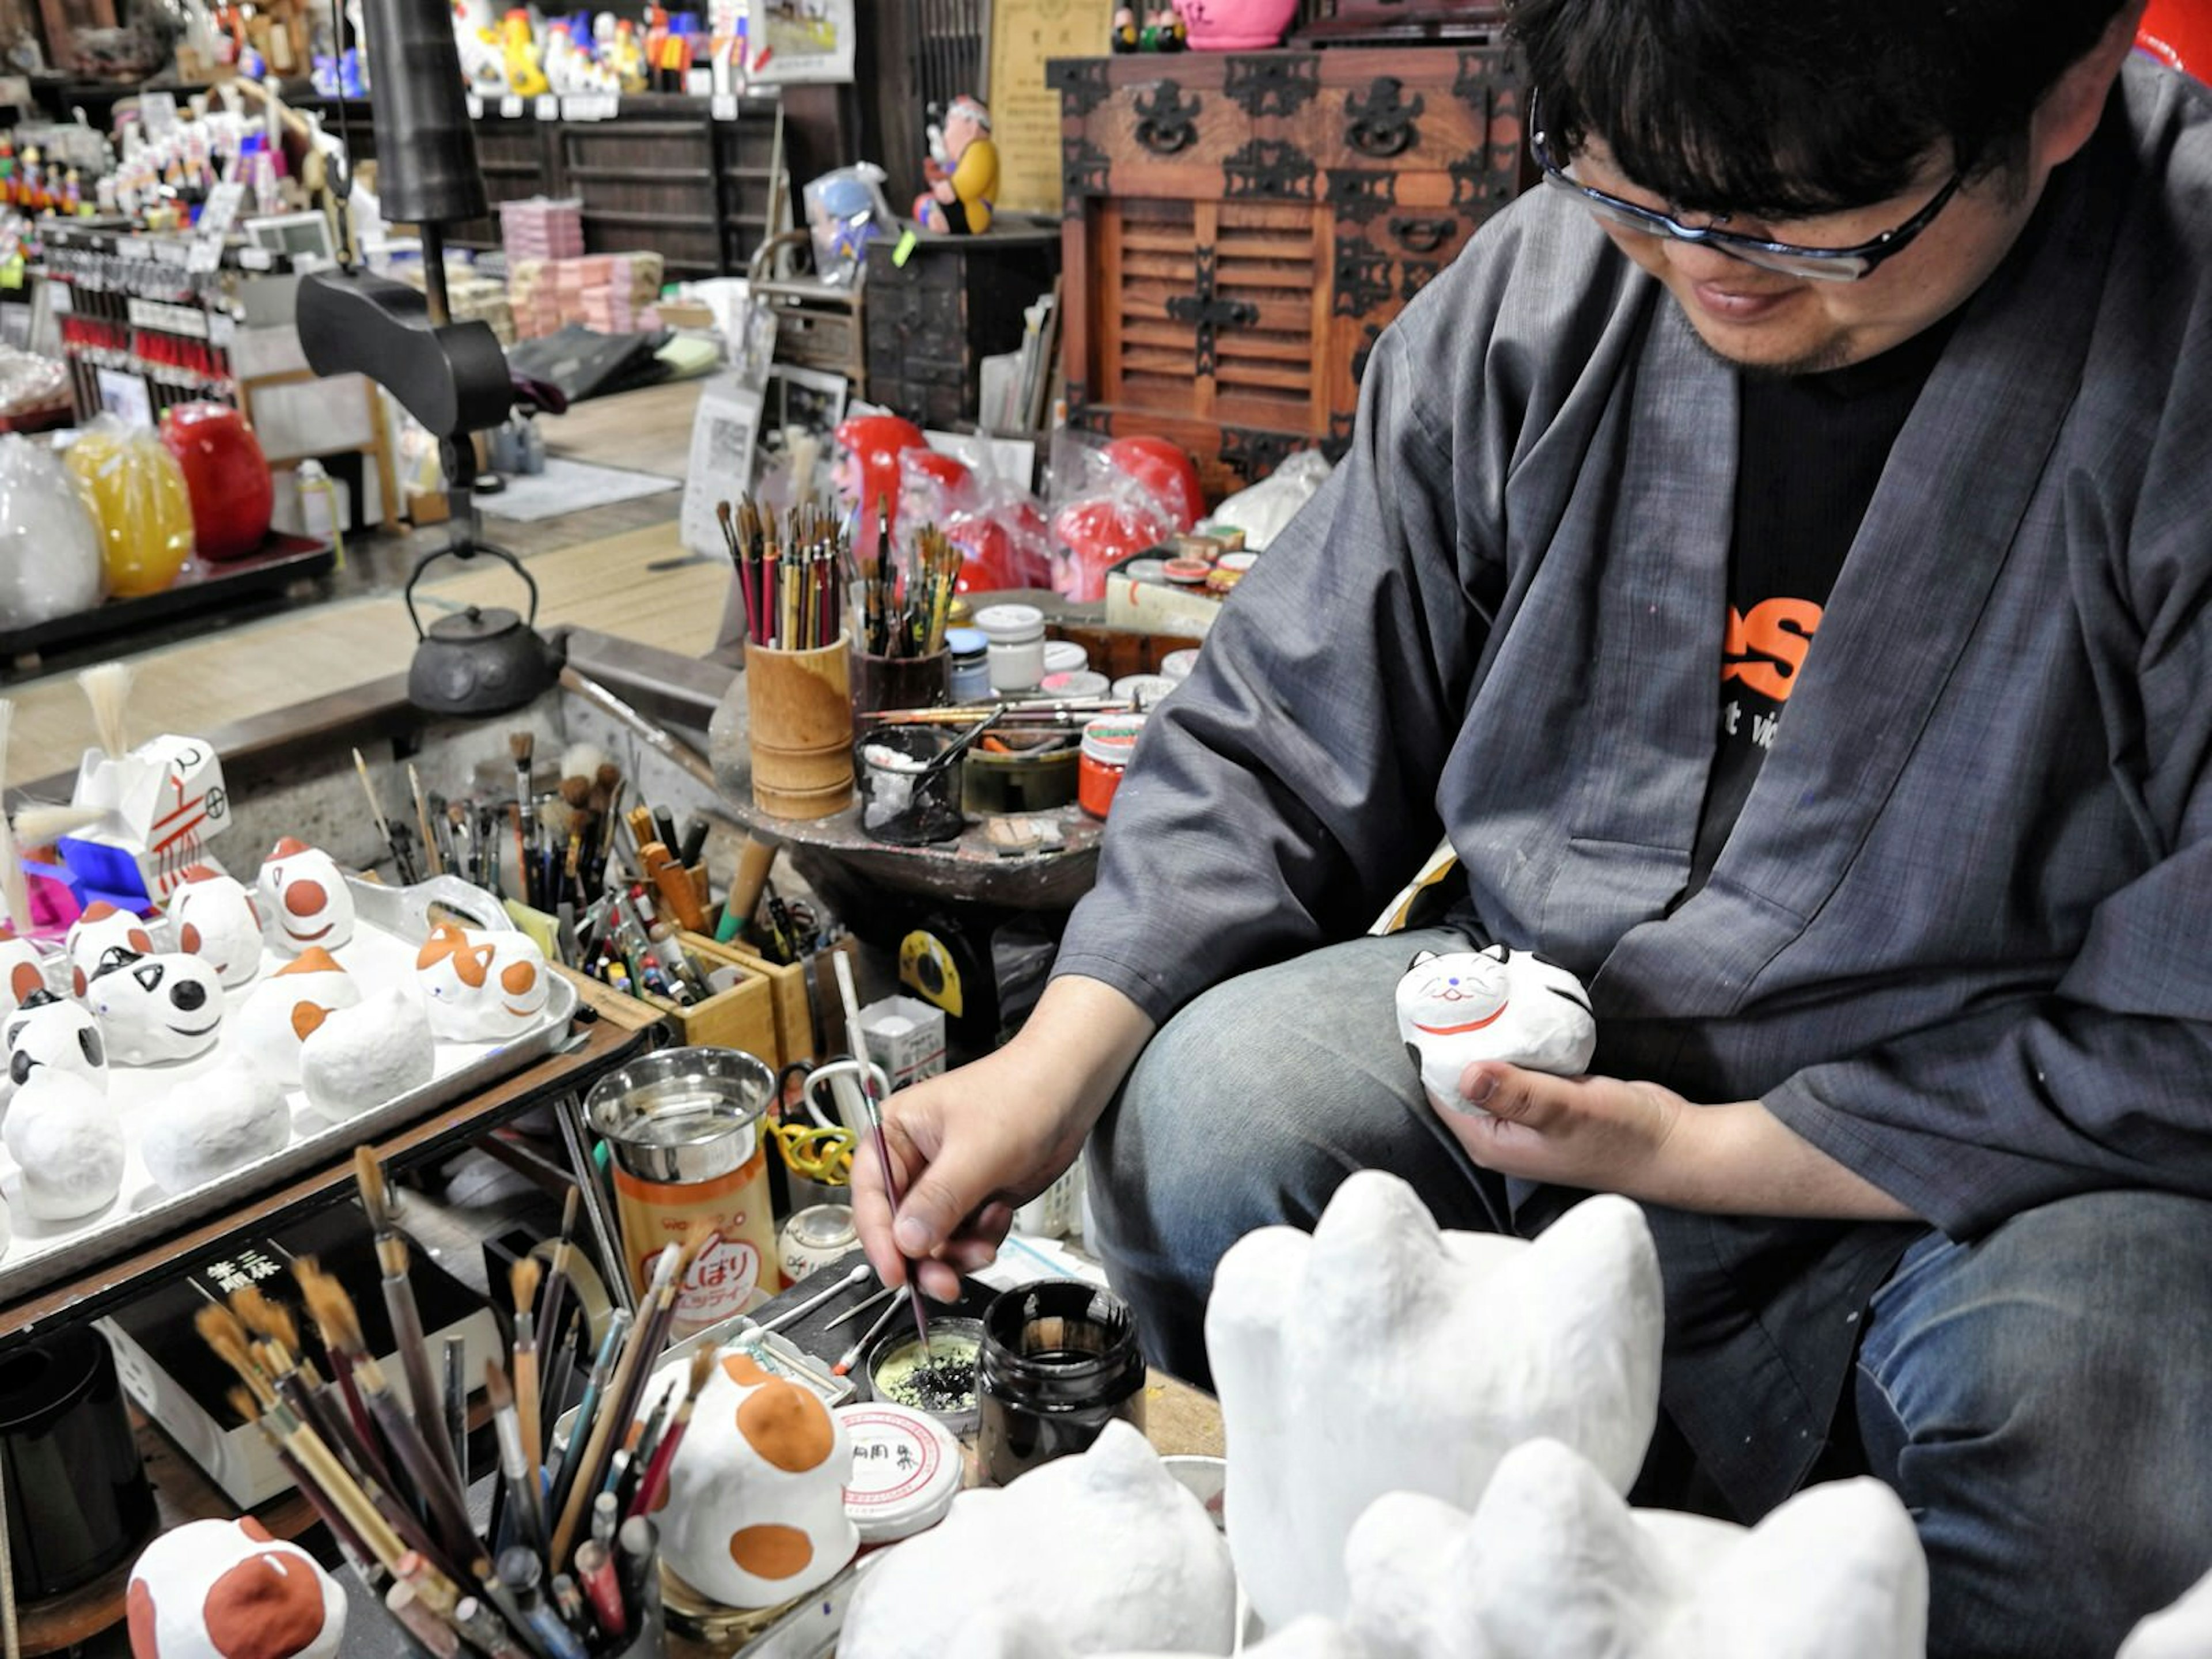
1421	235
1167	122
1381	124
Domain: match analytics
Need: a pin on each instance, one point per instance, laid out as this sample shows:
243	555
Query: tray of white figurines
162	1069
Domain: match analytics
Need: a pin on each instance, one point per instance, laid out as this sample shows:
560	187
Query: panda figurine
1457	1008
50	1032
155	1009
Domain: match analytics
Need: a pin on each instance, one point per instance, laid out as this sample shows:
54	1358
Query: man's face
1785	324
960	131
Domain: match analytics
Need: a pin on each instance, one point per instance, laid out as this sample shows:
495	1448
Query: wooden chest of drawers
1241	226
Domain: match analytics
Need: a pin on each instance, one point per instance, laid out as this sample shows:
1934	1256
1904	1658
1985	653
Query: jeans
2040	1399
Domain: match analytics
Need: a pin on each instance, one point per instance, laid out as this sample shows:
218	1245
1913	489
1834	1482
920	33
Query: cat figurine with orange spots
226	1590
482	987
284	1010
1492	1003
756	1508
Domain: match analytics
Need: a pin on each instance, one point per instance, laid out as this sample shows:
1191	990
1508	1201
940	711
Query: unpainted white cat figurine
1553	1561
1381	1354
2182	1630
1492	1003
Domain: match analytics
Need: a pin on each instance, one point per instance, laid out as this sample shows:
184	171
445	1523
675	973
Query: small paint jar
907	1470
1145	570
969	652
1108	744
1143	689
1064	657
1016	633
812	1239
954	1344
1178	665
1059	1362
1077	684
1187	572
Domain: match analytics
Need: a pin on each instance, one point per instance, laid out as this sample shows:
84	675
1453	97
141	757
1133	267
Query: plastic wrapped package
140	503
49	548
1263	511
846	211
1101	515
31	387
226	478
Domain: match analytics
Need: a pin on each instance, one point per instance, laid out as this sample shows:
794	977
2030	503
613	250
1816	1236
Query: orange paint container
684	1131
1108	744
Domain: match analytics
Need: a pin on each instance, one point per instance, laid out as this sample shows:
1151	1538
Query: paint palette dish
376	970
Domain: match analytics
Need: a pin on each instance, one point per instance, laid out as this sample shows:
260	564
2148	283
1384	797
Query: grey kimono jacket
1961	936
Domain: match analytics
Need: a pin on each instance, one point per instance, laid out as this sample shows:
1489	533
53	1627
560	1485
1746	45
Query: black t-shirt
1810	451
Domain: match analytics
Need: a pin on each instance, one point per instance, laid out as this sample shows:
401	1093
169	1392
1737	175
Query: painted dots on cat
771	1552
787	1425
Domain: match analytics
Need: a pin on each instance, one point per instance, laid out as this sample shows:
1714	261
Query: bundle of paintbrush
548	847
793	580
567	1568
623	941
906	599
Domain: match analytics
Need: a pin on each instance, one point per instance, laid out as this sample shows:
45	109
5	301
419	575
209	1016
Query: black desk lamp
451	377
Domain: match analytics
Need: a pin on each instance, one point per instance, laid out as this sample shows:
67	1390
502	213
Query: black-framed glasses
1819	264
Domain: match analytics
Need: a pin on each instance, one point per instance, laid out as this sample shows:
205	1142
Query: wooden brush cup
800	707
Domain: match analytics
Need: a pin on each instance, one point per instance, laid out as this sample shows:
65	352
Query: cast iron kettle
478	661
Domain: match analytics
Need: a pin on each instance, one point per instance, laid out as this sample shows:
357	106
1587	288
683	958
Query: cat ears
1496	953
1420	957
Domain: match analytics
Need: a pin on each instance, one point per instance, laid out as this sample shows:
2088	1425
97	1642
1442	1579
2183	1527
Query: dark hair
1787	108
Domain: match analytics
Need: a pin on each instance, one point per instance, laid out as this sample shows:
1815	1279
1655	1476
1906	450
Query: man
1779	557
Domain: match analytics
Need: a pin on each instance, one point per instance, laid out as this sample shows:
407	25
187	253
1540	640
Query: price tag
173	253
475	107
511	107
725	106
223	328
206	255
576	106
548	107
699	82
57	299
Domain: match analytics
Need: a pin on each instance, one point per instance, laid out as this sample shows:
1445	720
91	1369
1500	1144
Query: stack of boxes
538	227
612	293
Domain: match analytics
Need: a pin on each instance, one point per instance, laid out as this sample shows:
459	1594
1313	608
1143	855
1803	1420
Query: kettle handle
467	551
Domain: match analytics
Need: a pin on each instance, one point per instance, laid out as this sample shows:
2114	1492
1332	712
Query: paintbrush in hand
859	1084
406	1318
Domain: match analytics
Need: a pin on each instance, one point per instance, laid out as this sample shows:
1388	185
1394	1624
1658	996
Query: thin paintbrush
431	856
522	1280
861	1083
350	1539
410	1446
548	1321
306	1271
595	1387
664	1455
523	745
619	1400
456	1393
391	1256
401	863
523	1492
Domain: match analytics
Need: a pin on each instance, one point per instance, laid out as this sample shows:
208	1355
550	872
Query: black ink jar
1059	1362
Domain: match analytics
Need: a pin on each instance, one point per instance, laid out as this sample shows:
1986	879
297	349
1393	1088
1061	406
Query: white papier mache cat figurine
1494	1004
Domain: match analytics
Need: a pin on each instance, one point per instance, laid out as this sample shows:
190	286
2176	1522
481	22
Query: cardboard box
177	1381
906	1036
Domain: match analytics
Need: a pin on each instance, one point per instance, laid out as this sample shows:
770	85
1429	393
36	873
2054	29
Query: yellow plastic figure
518	52
960	200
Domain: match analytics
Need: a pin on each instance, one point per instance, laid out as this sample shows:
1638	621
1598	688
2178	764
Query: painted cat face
1464	991
226	1590
1492	1003
482	987
312	903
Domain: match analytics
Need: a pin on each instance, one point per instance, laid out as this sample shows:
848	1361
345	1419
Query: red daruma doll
225	476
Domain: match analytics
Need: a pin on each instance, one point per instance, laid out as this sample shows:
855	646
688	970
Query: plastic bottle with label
319	506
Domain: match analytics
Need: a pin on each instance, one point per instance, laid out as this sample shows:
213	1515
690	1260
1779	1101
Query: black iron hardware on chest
1207	312
1381	124
1167	123
1277	84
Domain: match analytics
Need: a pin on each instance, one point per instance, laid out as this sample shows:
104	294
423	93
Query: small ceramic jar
1108	744
1016	633
970	675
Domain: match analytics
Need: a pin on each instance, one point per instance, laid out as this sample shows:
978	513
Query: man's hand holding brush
969	1147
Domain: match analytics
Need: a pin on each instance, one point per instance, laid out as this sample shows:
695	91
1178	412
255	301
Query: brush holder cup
800	704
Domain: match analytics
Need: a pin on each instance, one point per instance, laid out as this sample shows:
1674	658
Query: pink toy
1236	25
